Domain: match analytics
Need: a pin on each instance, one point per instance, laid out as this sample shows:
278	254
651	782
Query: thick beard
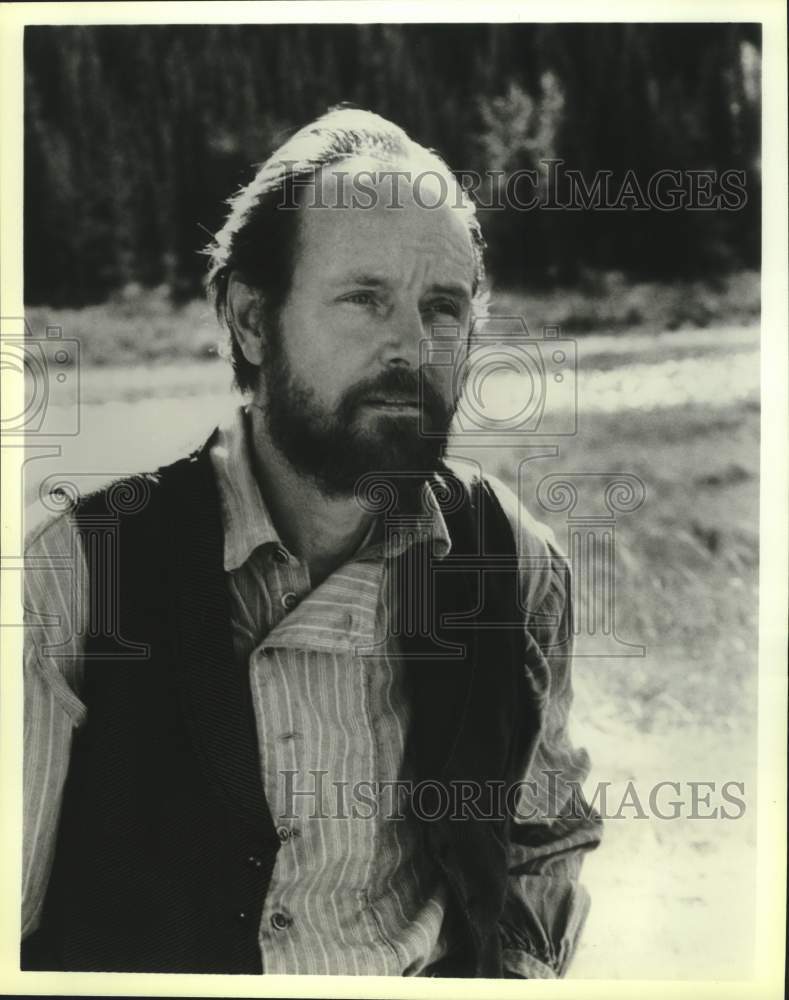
331	448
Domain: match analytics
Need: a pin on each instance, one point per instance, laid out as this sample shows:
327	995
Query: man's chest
327	685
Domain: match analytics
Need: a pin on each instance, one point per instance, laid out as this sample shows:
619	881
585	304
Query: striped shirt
348	895
351	892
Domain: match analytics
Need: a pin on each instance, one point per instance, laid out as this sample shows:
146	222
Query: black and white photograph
394	498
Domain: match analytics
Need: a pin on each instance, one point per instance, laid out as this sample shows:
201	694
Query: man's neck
322	531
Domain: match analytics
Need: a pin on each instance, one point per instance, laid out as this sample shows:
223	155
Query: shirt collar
246	520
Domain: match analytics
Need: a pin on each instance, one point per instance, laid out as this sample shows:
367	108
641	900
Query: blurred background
135	135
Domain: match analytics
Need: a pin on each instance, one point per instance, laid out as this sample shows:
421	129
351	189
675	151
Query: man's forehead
354	208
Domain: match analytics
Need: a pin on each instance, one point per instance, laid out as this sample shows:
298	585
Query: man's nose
403	337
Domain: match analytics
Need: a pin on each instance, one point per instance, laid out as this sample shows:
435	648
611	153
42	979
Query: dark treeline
134	136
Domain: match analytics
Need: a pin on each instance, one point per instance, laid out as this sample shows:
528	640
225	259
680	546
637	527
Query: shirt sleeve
552	826
55	611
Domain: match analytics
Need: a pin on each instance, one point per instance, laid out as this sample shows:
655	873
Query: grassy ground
680	411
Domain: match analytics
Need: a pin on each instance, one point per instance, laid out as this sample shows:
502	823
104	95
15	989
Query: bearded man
306	708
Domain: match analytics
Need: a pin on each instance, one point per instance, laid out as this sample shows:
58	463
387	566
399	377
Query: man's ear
245	313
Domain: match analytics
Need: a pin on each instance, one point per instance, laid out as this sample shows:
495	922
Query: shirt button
241	916
289	601
280	922
281	556
283	833
254	861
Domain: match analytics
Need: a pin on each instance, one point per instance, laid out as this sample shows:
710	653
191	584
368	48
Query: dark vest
166	844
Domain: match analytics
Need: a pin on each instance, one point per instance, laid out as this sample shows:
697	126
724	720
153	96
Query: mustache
399	383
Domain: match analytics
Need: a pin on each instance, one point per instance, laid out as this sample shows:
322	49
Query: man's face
341	381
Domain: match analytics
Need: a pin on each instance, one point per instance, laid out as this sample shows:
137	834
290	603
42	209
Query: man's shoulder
51	521
543	564
533	536
48	530
53	518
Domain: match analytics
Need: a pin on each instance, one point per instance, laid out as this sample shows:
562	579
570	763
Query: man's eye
444	307
360	298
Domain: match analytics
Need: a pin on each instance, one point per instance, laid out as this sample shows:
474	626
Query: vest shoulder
534	536
544	565
131	494
545	568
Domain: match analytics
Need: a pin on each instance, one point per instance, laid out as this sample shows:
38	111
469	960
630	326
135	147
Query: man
308	713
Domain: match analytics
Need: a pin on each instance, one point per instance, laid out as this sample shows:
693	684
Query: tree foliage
135	136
